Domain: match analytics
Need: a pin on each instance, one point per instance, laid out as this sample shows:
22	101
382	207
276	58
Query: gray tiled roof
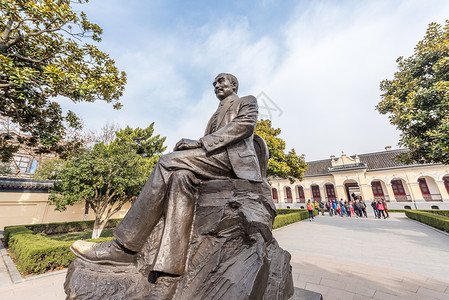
25	184
373	161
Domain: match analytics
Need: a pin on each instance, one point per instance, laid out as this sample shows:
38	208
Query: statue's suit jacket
235	124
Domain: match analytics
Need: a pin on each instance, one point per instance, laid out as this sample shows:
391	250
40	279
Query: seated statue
226	151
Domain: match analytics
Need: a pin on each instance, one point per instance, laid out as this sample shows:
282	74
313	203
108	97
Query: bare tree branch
7	30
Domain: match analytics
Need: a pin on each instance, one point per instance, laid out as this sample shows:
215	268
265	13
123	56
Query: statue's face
223	87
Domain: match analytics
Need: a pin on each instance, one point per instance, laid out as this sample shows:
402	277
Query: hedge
284	211
286	219
430	218
36	253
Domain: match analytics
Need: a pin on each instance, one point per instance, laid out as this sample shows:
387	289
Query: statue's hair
232	79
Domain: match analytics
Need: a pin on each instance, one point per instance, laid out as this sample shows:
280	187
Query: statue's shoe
103	253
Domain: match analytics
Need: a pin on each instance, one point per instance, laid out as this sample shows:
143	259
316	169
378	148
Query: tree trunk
98	227
86	211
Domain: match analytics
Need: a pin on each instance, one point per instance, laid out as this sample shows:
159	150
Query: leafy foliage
417	99
280	164
106	176
41	58
37	253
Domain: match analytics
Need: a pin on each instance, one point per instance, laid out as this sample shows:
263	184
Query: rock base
232	254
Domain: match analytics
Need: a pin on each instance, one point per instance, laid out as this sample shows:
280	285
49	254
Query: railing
403	198
386	197
433	197
300	200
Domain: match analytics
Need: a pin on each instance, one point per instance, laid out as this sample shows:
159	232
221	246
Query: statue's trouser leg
146	211
170	190
178	223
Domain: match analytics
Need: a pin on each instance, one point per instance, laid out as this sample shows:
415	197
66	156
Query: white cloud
322	67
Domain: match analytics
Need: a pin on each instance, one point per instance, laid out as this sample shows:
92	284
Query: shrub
284	211
282	220
36	253
65	227
430	218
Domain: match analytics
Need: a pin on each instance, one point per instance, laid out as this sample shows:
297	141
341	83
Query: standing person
363	206
342	208
380	209
351	209
385	207
335	207
310	210
316	206
321	204
346	205
329	207
358	208
374	206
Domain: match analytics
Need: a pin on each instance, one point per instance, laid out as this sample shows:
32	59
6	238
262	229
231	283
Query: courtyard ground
342	258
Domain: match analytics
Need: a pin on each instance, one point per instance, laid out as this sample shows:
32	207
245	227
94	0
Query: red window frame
288	194
301	197
316	192
274	194
377	189
398	188
423	186
330	192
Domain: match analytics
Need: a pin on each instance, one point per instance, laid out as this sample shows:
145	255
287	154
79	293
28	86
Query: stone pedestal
232	254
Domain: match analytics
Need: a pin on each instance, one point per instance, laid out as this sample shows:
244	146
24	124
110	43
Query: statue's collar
228	100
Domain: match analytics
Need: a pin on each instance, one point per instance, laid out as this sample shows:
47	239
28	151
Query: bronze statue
225	151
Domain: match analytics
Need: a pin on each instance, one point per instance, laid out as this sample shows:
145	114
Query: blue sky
320	62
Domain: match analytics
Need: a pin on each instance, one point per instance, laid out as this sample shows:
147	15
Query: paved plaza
342	258
354	258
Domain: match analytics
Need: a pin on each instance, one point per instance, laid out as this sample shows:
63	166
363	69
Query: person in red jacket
310	209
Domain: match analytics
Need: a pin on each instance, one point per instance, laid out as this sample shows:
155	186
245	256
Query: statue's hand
186	144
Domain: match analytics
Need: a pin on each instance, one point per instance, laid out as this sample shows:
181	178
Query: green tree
417	98
106	176
281	165
41	57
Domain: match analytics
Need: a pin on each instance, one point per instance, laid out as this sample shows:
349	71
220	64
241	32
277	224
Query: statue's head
225	85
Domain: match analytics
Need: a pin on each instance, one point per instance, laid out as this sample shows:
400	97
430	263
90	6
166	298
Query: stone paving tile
360	289
331	283
44	288
323	290
385	296
437	285
310	278
299	284
361	297
340	294
432	293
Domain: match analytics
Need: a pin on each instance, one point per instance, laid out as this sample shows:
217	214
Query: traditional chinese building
371	176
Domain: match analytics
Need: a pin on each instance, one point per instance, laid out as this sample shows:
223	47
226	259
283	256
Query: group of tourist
356	207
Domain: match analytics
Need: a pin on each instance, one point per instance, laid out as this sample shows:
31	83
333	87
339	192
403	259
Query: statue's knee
183	176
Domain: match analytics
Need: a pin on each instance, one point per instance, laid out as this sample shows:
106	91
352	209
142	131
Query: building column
340	192
367	192
442	188
323	193
415	192
307	194
390	192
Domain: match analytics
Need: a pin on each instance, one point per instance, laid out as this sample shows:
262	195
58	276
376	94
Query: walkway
342	258
352	258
